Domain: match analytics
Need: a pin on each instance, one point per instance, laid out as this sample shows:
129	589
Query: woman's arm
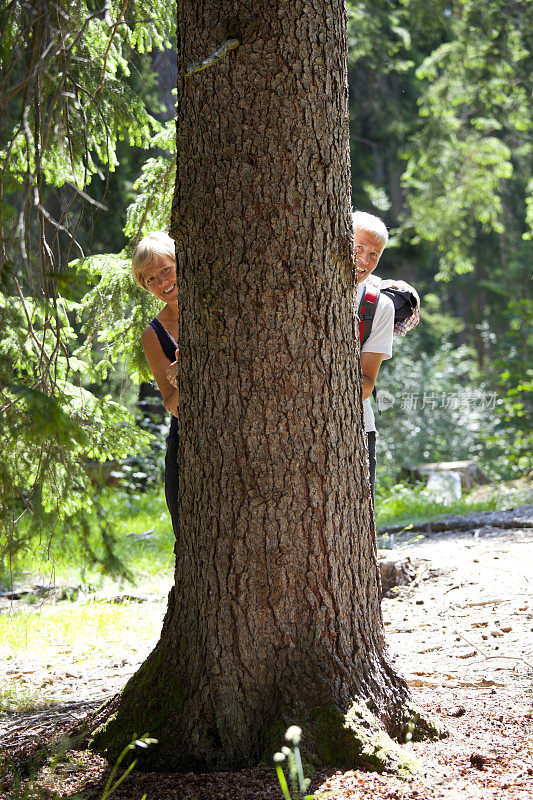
158	363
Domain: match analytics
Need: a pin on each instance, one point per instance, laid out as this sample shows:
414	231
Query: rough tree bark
274	617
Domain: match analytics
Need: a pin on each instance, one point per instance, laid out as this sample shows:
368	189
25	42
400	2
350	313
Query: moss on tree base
357	739
146	706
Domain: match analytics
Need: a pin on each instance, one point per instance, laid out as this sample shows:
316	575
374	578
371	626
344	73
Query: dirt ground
461	633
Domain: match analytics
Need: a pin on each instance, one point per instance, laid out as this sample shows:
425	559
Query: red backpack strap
367	311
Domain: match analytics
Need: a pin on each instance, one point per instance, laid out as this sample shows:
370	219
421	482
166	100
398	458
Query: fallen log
511	519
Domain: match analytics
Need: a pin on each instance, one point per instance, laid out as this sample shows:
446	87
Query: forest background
441	148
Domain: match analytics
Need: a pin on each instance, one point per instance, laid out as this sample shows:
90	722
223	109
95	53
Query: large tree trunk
275	614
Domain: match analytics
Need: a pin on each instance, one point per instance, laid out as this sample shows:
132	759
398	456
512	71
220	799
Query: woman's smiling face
160	279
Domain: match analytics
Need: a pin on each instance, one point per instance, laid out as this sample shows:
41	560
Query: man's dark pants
371	439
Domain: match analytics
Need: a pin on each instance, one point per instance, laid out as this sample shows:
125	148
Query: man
370	239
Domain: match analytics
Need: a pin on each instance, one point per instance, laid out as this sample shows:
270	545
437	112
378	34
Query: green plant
17	787
299	783
144	742
438	409
69	103
141	538
20	699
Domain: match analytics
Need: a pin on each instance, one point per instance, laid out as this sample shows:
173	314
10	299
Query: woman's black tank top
168	346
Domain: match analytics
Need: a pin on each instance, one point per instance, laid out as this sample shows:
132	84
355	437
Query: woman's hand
158	363
172	372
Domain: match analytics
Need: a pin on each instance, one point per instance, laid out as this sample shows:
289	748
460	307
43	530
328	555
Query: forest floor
460	632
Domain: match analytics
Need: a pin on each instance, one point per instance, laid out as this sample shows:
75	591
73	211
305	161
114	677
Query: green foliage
436	414
81	105
131	527
67	101
442	408
379	34
441	136
150	209
513	376
476	128
52	424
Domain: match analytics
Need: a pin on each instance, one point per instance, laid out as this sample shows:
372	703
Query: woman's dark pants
172	480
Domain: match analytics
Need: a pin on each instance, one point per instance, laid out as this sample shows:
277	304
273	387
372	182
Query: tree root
358	739
417	725
151	704
355	740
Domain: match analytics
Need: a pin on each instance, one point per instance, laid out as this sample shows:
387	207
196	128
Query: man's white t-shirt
379	341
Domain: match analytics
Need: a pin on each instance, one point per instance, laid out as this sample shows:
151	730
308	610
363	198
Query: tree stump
395	572
469	471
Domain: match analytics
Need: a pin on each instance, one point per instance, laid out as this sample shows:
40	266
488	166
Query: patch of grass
145	540
49	651
41	647
405	504
18	699
76	633
142	539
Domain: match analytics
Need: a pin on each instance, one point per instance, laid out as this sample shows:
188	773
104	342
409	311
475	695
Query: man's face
160	279
367	251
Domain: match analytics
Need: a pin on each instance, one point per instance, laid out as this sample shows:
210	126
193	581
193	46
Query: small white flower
278	758
293	734
286	750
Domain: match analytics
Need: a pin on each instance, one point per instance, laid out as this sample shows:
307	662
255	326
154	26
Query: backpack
406	308
406	311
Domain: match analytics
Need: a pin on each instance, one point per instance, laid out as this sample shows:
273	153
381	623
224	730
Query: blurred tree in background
441	143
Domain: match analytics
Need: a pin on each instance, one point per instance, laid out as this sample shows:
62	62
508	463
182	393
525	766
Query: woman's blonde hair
150	249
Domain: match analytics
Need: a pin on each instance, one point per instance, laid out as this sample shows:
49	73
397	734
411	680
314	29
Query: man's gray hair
362	221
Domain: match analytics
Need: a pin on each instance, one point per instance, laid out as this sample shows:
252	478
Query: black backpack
404	302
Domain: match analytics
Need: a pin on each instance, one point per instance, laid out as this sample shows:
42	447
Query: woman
154	269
